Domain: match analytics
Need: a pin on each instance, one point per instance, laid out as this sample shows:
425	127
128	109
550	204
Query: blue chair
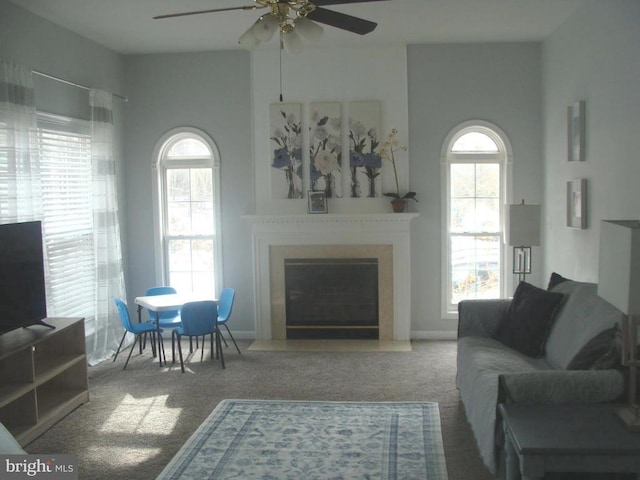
225	305
137	329
198	319
168	319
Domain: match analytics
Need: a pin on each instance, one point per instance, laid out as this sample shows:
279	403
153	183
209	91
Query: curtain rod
62	80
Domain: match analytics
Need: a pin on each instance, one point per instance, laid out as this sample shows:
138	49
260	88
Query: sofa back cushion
582	316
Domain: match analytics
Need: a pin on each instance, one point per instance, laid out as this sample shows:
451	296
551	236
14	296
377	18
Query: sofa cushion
581	317
481	360
8	444
601	352
526	324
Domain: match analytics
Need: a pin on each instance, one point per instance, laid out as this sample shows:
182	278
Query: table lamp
619	284
524	232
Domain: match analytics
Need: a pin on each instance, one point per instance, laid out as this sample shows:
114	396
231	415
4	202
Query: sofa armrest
480	318
561	386
8	444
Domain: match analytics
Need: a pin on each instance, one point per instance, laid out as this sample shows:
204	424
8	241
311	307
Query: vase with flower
388	150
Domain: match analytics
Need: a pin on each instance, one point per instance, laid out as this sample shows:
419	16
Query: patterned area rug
277	440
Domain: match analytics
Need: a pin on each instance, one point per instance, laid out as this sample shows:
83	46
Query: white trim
434	335
166	141
506	151
354	229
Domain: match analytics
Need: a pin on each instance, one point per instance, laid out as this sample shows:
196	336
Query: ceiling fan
295	19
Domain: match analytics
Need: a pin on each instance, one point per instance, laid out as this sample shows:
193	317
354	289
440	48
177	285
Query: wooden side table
566	438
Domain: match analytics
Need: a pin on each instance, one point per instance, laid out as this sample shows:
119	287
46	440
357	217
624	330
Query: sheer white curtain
105	336
20	185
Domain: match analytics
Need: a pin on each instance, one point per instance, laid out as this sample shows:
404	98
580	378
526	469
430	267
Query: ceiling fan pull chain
280	51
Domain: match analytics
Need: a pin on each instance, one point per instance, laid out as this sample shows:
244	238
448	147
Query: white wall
450	84
594	56
328	74
209	91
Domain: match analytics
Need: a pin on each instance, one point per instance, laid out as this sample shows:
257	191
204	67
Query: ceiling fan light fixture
248	40
308	30
292	42
265	27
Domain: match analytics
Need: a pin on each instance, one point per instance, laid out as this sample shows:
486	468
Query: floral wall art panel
364	160
325	148
285	133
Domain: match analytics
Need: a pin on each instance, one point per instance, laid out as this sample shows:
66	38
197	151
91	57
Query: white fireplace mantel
333	229
335	222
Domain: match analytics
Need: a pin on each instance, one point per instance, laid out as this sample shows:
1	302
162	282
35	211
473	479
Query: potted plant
387	152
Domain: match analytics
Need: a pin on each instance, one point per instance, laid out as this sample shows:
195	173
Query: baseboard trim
415	335
434	335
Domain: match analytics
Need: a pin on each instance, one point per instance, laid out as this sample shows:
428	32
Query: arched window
187	212
475	160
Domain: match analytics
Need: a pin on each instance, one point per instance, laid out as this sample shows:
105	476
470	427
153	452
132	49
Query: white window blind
65	155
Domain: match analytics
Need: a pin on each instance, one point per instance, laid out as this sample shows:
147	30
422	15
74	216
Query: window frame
504	157
160	164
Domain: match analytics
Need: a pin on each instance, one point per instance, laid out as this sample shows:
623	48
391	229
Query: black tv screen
23	300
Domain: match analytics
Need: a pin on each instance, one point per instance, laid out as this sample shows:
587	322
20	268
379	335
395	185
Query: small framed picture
577	204
317	202
575	132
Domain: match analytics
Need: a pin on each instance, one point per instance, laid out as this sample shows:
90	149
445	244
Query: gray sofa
8	444
577	363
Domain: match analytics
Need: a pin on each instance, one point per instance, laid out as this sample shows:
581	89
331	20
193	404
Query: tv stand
43	376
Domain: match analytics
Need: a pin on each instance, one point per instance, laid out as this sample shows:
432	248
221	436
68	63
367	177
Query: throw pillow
601	352
527	322
556	279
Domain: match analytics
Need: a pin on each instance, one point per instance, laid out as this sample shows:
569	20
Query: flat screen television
23	299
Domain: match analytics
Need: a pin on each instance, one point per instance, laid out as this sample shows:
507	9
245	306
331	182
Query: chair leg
224	340
153	342
233	339
173	346
162	353
202	351
120	346
219	344
130	352
180	352
211	341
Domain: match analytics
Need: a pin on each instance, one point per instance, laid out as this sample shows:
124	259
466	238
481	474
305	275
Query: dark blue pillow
601	352
526	324
556	279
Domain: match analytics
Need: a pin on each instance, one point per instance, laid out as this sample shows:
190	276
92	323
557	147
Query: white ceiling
127	26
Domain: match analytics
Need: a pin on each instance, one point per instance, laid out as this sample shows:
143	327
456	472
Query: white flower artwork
325	148
365	161
285	134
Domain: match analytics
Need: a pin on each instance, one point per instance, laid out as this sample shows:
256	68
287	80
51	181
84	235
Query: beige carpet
139	418
329	346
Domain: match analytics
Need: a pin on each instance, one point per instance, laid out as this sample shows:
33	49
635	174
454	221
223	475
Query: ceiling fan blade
342	21
322	3
184	14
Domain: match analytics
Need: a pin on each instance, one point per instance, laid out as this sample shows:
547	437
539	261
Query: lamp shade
524	225
308	30
248	40
619	264
292	42
265	27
